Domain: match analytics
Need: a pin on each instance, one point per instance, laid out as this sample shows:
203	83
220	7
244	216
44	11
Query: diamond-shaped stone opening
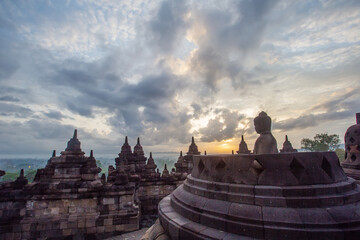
353	157
220	165
326	166
201	166
296	168
352	140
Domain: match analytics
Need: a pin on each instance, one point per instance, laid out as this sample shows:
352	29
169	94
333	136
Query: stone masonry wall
151	193
90	218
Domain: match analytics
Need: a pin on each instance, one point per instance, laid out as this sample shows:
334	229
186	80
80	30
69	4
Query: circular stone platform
264	196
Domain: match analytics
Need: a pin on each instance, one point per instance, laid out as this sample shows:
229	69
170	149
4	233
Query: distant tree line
324	142
11	176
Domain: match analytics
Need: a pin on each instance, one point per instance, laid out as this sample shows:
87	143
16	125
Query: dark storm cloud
9	64
8	98
128	82
40	136
197	110
311	120
45	129
230	35
340	107
55	115
79	108
8	109
222	127
338	102
33	136
136	107
168	25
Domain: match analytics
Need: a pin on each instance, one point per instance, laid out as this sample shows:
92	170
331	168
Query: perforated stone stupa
265	195
184	164
351	164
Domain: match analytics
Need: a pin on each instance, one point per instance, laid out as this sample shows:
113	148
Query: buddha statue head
262	123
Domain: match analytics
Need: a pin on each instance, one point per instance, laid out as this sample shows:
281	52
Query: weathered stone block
110	228
90	223
108	201
63	225
108	221
25	227
100	229
119	228
66	232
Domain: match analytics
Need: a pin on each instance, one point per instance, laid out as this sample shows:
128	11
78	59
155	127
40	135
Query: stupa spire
151	161
73	145
287	147
126	148
75	134
138	150
193	149
243	148
165	173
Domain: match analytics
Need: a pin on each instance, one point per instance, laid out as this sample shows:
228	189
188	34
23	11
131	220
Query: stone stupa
351	164
265	195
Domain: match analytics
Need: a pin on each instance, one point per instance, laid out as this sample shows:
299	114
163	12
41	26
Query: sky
168	70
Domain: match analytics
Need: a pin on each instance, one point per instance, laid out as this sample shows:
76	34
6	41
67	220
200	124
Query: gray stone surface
136	235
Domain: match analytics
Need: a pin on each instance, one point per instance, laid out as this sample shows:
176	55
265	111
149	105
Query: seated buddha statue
265	143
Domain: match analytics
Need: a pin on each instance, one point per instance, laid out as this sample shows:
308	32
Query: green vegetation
10	176
340	153
30	174
324	142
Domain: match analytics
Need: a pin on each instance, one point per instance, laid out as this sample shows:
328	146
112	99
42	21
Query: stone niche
67	200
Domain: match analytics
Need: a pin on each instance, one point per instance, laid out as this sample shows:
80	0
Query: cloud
338	108
55	115
224	126
169	25
148	103
228	37
311	120
34	136
9	109
8	98
152	69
